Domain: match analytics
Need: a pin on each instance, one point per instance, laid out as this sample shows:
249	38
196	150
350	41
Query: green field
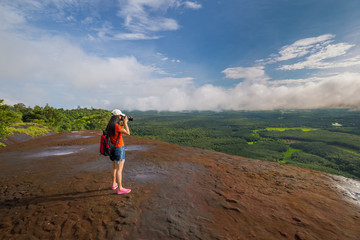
301	138
284	129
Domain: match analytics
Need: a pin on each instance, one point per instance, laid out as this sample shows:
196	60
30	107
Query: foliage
329	137
7	118
330	156
315	162
40	120
60	120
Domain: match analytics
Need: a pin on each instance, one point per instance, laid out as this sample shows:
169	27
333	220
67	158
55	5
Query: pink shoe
124	190
114	187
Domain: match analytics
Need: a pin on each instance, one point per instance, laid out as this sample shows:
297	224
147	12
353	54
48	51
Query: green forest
38	120
325	140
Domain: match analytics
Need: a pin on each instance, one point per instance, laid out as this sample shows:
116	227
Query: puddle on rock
73	135
56	151
79	136
76	135
138	147
149	177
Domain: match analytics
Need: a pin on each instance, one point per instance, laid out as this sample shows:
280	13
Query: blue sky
181	55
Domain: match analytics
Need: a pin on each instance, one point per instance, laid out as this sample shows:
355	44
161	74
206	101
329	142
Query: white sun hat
117	112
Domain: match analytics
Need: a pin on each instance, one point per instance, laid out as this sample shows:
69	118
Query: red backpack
106	145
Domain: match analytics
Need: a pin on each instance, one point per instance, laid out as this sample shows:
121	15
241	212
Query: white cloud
35	9
145	16
51	69
247	73
302	47
133	36
141	20
56	58
70	19
294	82
10	17
339	90
87	20
193	5
314	53
316	60
318	90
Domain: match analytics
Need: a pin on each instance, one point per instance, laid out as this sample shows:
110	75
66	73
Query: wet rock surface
59	187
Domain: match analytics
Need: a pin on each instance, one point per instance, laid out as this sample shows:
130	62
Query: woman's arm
125	130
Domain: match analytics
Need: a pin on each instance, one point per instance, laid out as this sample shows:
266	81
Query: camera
130	118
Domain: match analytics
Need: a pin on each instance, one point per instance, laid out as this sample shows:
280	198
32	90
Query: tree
20	107
7	118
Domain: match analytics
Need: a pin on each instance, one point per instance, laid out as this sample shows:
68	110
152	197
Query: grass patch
31	129
255	132
296	128
288	153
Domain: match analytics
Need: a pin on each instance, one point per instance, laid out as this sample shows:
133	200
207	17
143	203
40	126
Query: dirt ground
59	187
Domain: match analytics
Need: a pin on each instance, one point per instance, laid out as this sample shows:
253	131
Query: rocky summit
59	187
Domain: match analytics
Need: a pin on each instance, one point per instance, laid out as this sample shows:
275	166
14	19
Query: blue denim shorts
119	154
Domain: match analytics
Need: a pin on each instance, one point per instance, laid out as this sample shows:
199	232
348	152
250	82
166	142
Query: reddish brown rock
58	187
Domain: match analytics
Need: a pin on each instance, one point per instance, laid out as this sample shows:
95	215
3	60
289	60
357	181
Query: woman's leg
113	174
119	169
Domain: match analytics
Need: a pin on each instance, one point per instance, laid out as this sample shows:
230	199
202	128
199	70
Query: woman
116	132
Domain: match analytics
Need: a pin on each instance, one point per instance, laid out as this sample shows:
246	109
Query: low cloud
340	90
247	73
